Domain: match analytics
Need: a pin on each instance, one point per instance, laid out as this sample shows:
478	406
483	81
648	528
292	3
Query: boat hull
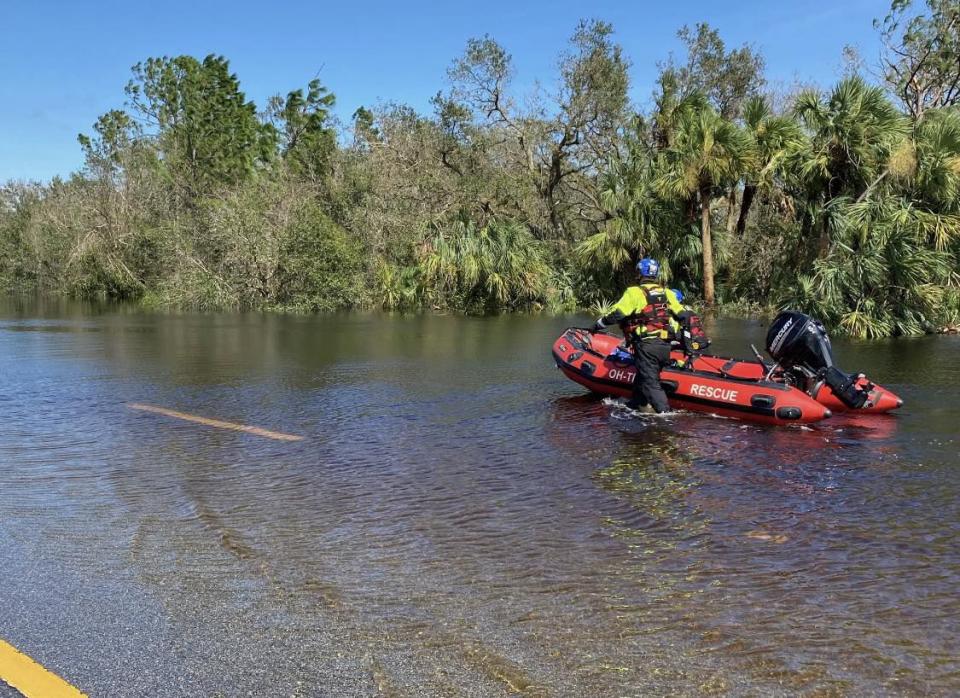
879	399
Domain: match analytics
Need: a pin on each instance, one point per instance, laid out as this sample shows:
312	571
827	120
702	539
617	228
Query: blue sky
64	63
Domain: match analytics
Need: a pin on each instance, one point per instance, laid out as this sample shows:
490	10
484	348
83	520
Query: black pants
650	356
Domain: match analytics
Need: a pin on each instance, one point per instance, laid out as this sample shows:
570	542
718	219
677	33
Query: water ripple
458	497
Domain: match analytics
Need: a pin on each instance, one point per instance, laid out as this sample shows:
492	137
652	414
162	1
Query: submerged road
31	679
222	505
22	673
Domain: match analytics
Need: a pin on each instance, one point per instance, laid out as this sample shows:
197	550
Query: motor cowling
798	341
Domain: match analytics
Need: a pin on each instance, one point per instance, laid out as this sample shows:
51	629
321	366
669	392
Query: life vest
652	320
693	337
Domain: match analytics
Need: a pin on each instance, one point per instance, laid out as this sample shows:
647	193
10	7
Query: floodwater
459	519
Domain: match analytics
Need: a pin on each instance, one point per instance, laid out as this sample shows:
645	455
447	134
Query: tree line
843	202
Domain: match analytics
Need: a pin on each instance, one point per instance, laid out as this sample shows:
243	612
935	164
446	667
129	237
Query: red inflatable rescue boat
802	385
592	360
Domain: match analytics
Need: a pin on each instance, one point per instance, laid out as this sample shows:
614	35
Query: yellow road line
31	679
215	422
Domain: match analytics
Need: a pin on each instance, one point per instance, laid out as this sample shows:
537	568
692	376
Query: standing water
458	519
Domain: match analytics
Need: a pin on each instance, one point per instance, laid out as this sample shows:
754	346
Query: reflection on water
462	519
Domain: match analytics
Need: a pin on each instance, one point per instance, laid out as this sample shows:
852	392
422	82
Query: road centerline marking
218	423
30	678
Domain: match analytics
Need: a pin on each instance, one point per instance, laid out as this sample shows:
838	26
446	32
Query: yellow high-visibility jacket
639	309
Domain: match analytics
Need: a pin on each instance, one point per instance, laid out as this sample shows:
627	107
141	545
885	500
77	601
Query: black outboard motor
797	341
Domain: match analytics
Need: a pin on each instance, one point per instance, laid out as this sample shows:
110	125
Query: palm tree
775	138
671	108
708	153
883	275
497	266
852	132
890	268
630	211
639	221
936	180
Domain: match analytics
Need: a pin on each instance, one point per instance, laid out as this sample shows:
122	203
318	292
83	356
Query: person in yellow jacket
647	313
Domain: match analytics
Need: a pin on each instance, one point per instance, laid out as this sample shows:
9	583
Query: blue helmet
678	293
648	267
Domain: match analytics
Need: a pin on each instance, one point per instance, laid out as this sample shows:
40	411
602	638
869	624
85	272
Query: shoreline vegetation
842	201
